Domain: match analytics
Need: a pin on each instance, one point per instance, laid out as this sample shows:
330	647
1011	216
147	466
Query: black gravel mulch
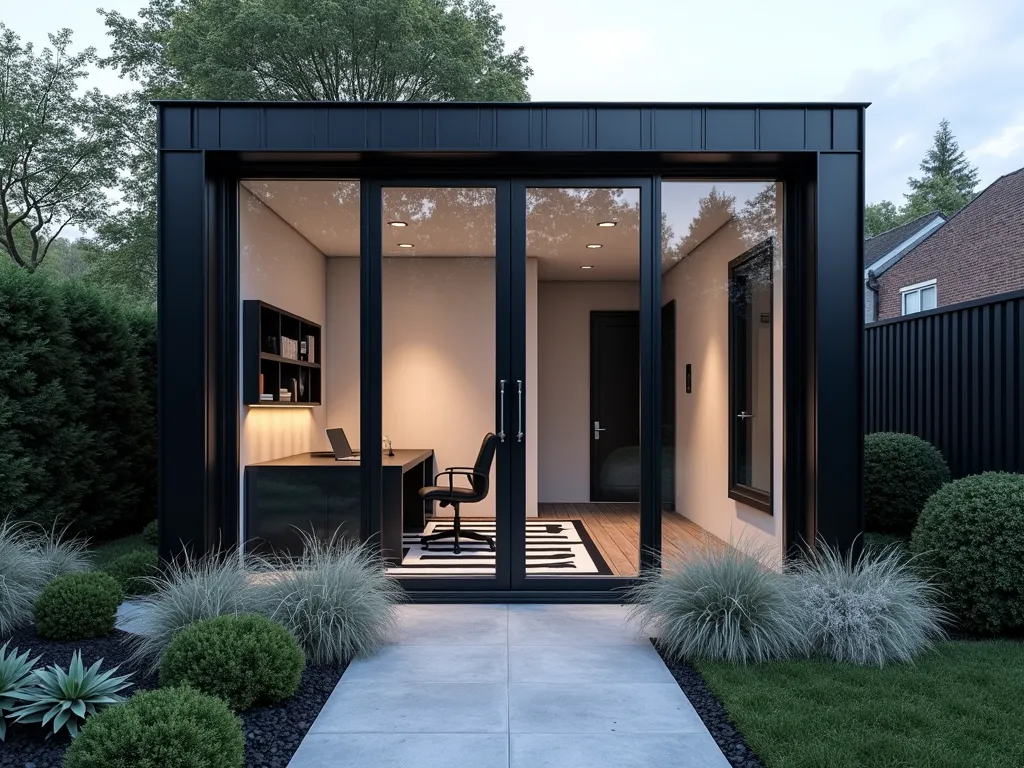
272	734
711	711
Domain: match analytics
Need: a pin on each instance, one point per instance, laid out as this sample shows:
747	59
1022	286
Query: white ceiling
460	222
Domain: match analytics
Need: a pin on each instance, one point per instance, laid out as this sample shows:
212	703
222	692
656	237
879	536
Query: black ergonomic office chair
479	480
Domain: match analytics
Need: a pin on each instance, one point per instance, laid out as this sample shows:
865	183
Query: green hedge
77	406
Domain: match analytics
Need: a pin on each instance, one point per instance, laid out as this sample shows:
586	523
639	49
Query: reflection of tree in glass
340	199
759	216
437	217
557	216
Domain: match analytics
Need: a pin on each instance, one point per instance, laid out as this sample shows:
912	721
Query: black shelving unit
266	333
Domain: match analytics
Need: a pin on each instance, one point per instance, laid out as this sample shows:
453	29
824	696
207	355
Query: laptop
340	445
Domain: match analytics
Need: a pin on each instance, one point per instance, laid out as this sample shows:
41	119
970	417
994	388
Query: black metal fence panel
953	376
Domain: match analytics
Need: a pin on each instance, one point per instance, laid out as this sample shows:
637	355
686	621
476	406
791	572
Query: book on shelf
289	348
267	396
310	351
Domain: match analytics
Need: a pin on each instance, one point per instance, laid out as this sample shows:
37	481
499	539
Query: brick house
979	252
883	251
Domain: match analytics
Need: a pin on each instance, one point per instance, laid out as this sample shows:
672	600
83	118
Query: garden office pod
524	350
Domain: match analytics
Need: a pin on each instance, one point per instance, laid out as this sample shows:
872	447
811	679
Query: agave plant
15	671
67	698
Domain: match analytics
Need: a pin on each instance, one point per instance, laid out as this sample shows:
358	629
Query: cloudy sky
917	61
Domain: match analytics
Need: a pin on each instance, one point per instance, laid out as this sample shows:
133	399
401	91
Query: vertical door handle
501	425
519	436
598	429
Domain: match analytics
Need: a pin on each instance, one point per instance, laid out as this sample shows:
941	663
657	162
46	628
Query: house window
750	377
919	297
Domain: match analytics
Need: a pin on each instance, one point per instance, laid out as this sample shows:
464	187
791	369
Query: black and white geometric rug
560	547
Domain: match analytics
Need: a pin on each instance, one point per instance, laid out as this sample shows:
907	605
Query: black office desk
318	493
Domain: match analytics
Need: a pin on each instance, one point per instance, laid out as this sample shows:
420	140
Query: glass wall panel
722	281
299	359
583	382
438	390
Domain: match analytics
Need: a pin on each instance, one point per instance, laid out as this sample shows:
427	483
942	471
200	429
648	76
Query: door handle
598	429
501	425
744	415
519	437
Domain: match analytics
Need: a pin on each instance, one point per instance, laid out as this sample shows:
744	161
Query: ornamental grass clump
187	591
718	603
22	576
336	599
60	554
872	610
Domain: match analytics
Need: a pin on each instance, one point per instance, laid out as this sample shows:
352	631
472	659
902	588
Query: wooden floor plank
615	529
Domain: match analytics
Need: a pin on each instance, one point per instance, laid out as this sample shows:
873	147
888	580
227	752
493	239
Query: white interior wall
438	349
280	267
699	284
563	376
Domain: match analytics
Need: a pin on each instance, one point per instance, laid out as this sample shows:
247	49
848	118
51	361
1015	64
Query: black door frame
650	450
372	314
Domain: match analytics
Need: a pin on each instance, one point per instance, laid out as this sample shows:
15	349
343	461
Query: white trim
918	289
918	286
896	253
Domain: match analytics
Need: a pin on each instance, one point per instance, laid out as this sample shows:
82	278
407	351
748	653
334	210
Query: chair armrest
452	471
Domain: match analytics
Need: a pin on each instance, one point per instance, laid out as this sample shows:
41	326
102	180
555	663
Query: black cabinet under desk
316	493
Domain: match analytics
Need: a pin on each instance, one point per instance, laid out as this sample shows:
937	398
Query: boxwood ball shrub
134	570
245	660
77	606
900	473
971	535
165	728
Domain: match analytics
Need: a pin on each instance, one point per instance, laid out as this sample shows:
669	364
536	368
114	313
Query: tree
344	50
334	50
881	217
57	148
949	179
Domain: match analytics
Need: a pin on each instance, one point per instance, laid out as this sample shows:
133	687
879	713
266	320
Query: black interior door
614	406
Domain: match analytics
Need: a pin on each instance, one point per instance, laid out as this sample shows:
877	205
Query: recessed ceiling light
398	224
594	245
587	266
607	223
405	245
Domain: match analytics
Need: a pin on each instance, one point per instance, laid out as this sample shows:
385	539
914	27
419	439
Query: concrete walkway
494	686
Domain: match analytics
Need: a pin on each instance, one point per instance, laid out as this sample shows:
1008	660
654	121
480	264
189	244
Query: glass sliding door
580	282
445	389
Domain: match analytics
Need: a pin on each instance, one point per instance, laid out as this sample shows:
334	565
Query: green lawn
108	550
960	706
